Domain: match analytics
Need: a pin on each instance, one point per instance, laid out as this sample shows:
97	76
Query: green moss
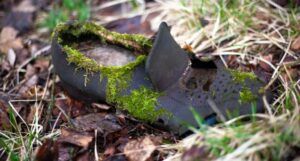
140	103
240	77
246	96
135	42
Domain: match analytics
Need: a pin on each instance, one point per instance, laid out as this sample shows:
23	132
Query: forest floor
36	115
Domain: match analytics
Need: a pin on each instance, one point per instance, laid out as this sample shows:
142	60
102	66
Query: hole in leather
161	121
206	86
191	83
211	119
196	63
199	76
225	90
192	94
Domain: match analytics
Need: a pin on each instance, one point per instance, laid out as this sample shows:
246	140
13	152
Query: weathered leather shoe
151	81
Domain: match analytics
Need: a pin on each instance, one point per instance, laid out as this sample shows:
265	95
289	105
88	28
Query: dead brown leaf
296	44
72	108
291	74
32	114
77	107
48	151
8	34
140	149
22	55
109	151
30	71
101	106
66	152
86	156
116	158
4	120
8	39
102	122
196	153
264	65
41	65
77	138
31	82
11	57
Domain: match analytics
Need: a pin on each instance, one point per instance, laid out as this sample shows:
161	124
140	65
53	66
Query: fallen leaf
61	106
22	55
77	107
66	152
77	138
122	141
72	108
9	40
48	151
4	120
296	44
30	71
116	158
101	106
33	113
264	65
109	151
196	153
8	34
140	149
290	74
31	82
5	66
104	123
122	118
11	57
41	65
86	156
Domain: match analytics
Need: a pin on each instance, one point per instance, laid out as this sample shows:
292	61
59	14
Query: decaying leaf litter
267	45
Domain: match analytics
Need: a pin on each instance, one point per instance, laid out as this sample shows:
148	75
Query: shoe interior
103	53
106	54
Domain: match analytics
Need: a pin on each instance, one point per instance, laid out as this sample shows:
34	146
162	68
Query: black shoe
165	88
